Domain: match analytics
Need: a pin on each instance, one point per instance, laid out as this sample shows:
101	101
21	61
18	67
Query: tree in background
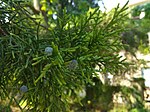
135	39
138	27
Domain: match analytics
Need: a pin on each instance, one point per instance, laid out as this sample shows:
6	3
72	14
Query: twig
33	19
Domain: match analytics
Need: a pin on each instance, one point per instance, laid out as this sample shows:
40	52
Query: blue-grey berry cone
49	50
23	88
73	65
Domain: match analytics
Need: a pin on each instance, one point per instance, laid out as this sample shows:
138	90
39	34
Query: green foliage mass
142	8
81	42
136	37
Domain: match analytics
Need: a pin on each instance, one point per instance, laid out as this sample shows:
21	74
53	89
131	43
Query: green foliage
135	40
78	42
119	108
5	108
100	96
140	8
73	6
136	37
134	95
139	110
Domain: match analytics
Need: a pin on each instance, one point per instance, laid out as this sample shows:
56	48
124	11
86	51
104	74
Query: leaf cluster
90	39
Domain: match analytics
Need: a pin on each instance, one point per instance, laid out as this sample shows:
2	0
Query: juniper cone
73	64
23	88
48	50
